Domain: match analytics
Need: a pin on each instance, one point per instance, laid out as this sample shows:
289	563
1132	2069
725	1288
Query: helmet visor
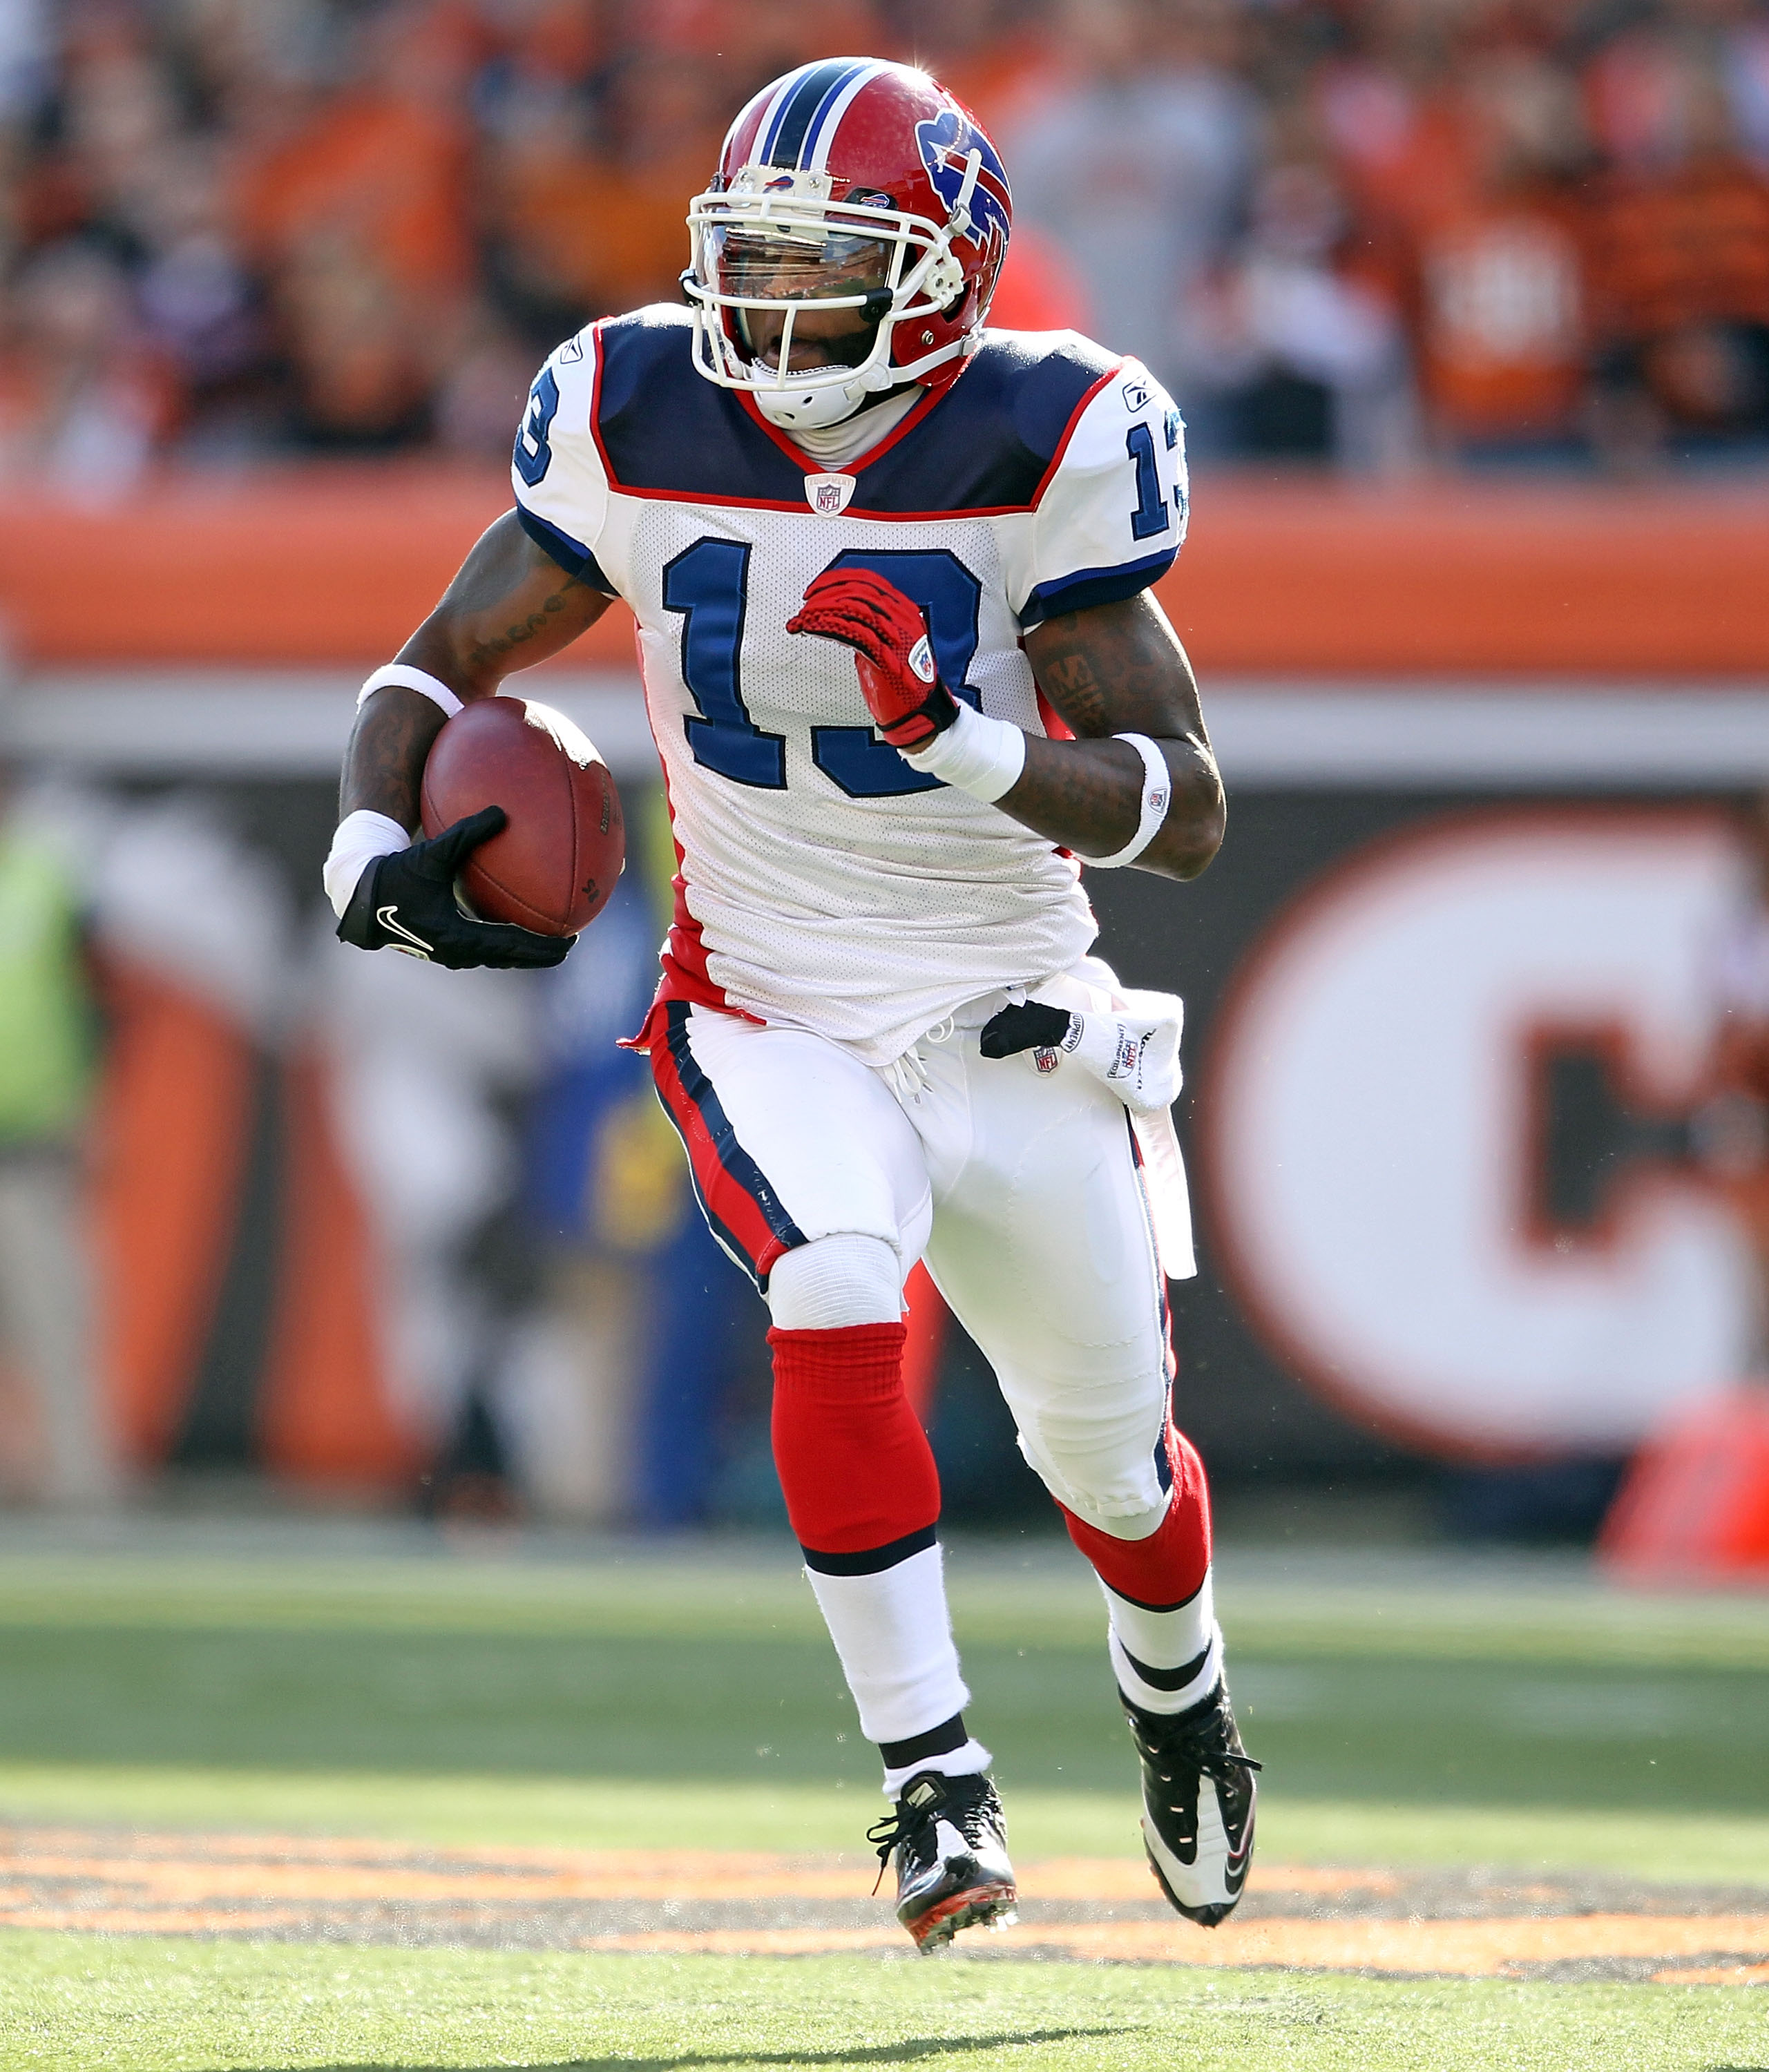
801	302
748	265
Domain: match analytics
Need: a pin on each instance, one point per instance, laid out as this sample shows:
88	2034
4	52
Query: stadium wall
1450	1013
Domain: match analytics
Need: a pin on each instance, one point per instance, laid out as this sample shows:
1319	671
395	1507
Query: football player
891	573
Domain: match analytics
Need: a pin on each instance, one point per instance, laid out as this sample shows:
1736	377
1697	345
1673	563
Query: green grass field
662	1697
69	2008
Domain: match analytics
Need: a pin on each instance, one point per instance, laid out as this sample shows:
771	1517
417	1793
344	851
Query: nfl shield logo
828	495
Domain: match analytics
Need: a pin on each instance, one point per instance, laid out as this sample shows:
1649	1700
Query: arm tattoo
489	646
509	604
1069	683
383	765
1119	669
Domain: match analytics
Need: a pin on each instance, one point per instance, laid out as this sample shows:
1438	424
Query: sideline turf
1408	1713
752	1590
716	1671
75	2005
618	1813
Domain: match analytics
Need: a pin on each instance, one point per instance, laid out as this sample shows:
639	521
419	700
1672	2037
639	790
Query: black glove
1030	1026
406	901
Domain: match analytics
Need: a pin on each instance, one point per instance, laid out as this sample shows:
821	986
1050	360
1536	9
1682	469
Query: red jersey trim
1080	410
684	976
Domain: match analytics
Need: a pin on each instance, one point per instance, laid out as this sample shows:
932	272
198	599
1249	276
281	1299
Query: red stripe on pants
1168	1566
855	1463
730	1203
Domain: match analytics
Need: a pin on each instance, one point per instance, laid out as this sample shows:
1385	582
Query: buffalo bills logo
946	141
782	185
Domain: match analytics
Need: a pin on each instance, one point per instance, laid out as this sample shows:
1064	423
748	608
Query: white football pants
1023	1191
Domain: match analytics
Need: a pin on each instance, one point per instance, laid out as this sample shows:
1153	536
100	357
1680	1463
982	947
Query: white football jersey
824	884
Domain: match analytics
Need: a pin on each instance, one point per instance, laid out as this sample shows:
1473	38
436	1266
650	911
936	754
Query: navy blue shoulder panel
986	446
989	441
667	430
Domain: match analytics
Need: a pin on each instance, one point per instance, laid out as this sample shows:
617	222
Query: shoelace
887	1831
1217	1762
909	1824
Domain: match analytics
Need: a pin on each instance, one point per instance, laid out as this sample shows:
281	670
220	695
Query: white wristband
403	674
1157	796
361	838
976	754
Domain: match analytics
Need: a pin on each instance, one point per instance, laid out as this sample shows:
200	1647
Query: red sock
1168	1568
855	1463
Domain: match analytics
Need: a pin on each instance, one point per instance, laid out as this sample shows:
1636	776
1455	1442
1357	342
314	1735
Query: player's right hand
898	678
406	901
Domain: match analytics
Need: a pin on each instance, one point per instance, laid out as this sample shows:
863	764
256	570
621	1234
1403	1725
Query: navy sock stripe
949	1735
1168	1679
872	1560
1141	1606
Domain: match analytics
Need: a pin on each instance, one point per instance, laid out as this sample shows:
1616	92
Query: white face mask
772	251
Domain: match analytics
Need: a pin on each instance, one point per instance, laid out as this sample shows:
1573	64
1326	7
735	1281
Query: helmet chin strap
826	405
812	409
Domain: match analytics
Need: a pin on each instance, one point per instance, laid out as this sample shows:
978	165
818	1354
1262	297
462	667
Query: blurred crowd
533	1311
1379	234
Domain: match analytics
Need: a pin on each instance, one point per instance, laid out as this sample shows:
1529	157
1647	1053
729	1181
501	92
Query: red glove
894	658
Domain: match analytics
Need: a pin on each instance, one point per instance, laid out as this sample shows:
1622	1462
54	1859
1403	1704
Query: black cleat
1198	1798
949	1837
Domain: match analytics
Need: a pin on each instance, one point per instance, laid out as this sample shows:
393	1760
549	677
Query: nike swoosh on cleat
1238	1861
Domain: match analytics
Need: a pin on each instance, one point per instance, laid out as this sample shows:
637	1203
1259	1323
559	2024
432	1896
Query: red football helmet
856	185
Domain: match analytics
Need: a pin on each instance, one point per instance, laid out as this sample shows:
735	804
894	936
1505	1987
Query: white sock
894	1634
969	1761
1165	1662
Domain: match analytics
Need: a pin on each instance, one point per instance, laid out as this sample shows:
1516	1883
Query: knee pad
1097	1448
835	1282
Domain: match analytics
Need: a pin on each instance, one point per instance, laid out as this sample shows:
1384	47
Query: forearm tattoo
383	766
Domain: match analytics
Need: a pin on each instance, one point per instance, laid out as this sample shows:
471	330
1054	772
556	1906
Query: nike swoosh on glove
894	658
406	901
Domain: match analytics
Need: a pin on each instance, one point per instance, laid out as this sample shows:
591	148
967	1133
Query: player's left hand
895	658
1032	1024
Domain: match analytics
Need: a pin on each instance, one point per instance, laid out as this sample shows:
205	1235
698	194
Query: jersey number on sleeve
533	456
708	585
1150	516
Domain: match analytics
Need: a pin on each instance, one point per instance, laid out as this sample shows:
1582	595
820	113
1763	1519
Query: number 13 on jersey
708	584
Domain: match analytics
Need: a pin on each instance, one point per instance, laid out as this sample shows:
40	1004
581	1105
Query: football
553	867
